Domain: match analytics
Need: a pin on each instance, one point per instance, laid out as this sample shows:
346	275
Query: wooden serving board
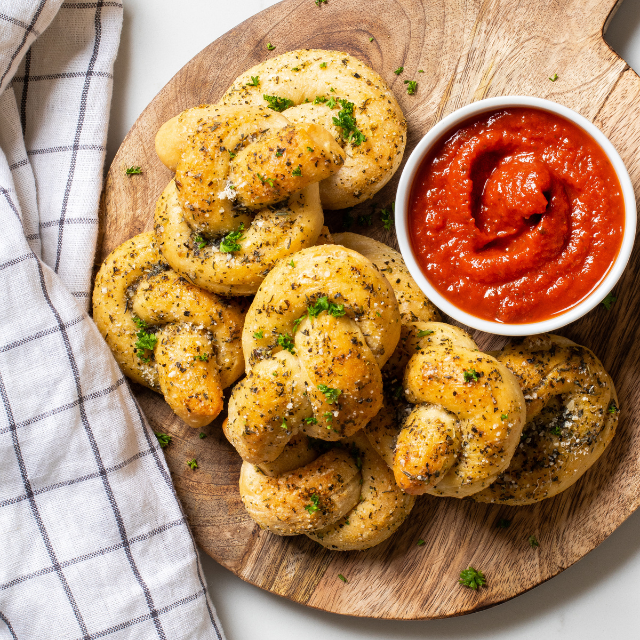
468	51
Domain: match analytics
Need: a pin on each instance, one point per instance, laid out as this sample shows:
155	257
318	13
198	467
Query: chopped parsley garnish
232	155
297	171
386	215
133	171
277	103
471	375
279	152
258	335
200	242
503	523
329	416
164	439
311	420
319	100
203	356
342	578
331	102
556	430
412	86
399	70
295	68
192	463
504	416
230	243
255	81
371	39
612	408
472	578
609	301
420	70
331	394
286	342
262	179
347	123
365	221
284	425
146	342
270	47
533	541
139	322
313	507
203	435
323	65
309	149
292	263
554	77
323	304
424	332
420	542
319	2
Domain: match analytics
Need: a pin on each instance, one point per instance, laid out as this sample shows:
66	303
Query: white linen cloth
93	541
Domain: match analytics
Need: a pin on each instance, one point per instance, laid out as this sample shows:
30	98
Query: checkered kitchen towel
93	542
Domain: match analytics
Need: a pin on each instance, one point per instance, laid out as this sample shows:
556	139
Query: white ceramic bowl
402	216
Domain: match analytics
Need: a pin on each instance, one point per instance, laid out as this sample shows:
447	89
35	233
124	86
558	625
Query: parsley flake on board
420	542
371	39
342	578
270	47
133	171
471	375
412	86
202	435
297	171
286	342
472	578
276	103
554	77
609	301
424	332
164	439
255	81
503	523
533	541
313	507
192	464
365	221
330	393
258	335
319	2
399	70
386	215
347	123
229	243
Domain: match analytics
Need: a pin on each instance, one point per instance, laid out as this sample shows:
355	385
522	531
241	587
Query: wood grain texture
468	50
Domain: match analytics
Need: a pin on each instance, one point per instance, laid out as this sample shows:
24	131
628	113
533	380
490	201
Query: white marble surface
596	598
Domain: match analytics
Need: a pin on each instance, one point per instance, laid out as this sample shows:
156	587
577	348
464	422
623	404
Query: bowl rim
403	194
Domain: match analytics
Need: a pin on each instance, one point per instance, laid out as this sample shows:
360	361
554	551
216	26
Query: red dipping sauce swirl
516	215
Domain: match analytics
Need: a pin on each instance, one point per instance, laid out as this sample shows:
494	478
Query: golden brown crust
245	193
307	77
197	349
319	371
571	418
382	507
311	497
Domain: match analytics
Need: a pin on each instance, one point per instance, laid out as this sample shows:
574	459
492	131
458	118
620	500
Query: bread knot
167	334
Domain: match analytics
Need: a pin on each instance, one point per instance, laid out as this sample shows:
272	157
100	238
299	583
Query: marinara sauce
516	216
